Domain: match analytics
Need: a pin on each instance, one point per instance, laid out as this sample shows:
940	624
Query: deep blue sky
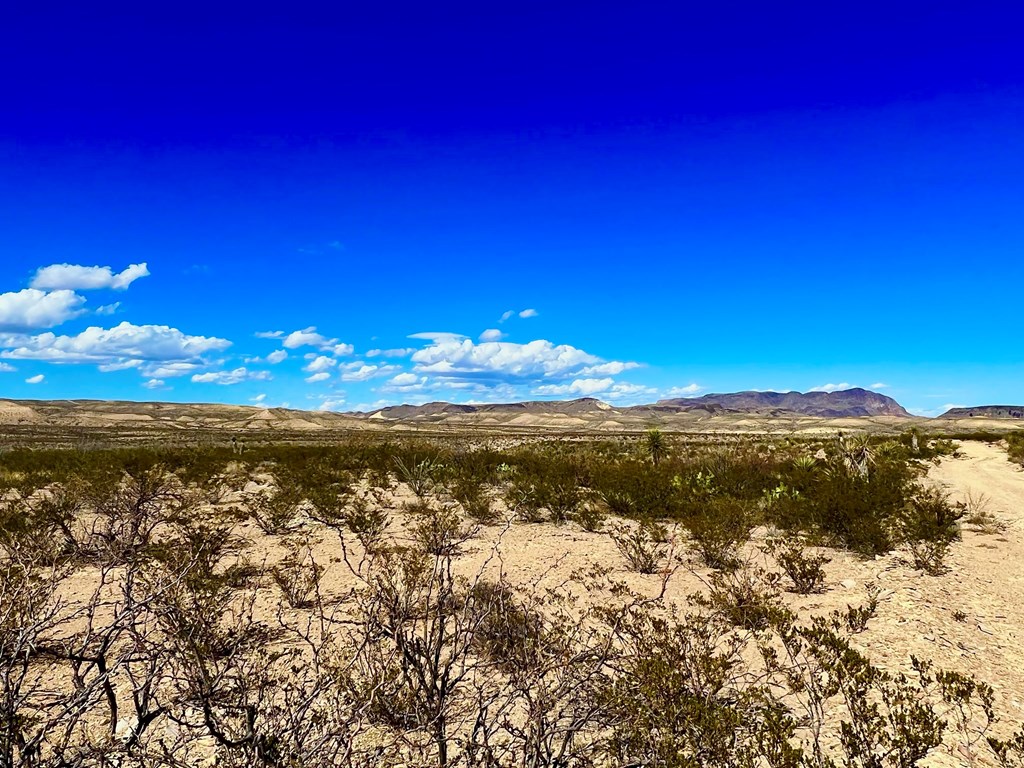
728	195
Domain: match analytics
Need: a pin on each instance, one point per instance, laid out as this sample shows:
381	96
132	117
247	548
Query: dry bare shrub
298	575
274	512
640	546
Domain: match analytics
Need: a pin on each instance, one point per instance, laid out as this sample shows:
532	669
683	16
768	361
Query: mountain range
737	411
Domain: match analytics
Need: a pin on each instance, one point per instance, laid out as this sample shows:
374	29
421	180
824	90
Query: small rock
848	583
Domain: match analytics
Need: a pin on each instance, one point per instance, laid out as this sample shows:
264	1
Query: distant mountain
851	403
580	407
986	412
737	411
843	404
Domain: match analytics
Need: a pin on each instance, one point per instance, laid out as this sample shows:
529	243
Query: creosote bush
640	546
804	571
134	631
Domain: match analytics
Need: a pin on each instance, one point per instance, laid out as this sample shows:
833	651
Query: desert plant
590	517
856	618
929	526
655	445
273	512
719	531
419	474
298	575
439	530
745	597
804	571
639	545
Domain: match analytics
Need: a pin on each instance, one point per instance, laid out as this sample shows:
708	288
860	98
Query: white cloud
362	372
170	370
688	390
332	404
320	363
581	387
540	358
37	379
437	337
269	334
613	368
879	385
528	313
400	352
405	382
76	277
31	308
236	376
307	337
831	387
343	350
108	309
154	384
119	365
492	334
7	368
323	376
506	315
118	345
258	399
274	358
623	390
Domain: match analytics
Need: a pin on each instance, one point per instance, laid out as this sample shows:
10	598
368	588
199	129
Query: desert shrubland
352	604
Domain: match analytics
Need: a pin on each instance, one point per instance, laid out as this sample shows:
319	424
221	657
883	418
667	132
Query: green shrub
719	531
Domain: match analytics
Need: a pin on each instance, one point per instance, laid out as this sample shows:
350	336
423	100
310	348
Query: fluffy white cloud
320	363
492	334
613	368
689	389
323	376
75	277
154	384
171	369
582	387
269	334
120	365
108	309
37	379
332	404
343	350
528	313
307	337
7	368
400	352
121	344
540	358
405	382
258	399
626	391
32	308
362	371
236	376
278	356
879	385
831	387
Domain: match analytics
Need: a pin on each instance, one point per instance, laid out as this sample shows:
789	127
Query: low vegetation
169	608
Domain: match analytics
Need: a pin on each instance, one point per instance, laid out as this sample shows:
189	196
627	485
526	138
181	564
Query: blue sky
350	205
